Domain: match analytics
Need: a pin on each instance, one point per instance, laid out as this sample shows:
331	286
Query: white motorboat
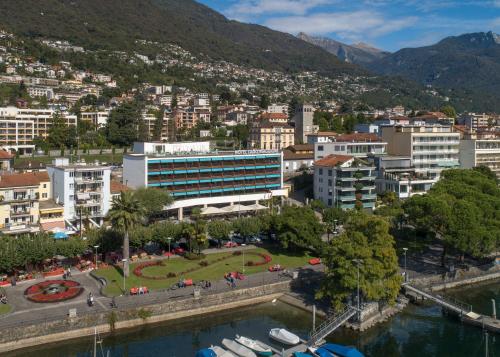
235	347
220	352
256	346
284	336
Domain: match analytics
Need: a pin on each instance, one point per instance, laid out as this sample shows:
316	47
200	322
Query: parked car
238	240
230	244
254	240
178	250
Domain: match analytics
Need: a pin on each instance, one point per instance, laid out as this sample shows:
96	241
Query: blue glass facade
218	175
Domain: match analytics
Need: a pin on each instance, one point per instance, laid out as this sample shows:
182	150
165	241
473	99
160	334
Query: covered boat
235	347
256	346
205	352
342	351
284	336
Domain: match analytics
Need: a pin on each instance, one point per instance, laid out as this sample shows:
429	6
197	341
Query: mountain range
469	61
115	24
360	53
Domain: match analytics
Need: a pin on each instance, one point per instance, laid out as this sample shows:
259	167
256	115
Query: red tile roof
117	187
274	116
358	137
24	179
5	155
333	160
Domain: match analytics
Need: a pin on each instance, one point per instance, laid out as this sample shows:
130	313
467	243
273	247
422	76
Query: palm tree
126	212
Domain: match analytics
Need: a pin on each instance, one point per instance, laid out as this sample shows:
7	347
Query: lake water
418	331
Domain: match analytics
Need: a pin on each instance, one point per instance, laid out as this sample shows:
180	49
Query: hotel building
481	152
357	145
218	182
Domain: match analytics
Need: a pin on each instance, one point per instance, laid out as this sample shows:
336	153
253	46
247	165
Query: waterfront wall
459	278
80	326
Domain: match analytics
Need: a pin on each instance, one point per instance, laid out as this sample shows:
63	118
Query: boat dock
457	307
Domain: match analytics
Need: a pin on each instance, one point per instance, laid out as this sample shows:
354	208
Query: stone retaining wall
42	333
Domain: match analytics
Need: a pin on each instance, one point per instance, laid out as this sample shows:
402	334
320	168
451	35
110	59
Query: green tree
449	111
298	228
264	101
153	200
59	134
219	229
365	238
247	226
462	210
122	126
125	214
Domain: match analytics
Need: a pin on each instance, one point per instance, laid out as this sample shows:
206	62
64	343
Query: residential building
271	136
432	148
396	174
97	119
36	92
477	151
21	195
83	189
42	118
17	135
367	128
303	120
278	108
356	144
321	137
475	121
236	118
297	157
281	118
218	182
345	181
185	118
6	161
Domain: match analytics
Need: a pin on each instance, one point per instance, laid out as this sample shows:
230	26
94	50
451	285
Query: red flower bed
64	290
138	270
267	259
56	272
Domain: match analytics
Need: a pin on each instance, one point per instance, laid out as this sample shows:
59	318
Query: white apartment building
357	145
83	189
345	181
42	118
432	148
36	92
97	119
278	108
17	135
480	152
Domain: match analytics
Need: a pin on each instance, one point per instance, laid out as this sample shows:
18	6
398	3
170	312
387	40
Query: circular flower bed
138	270
53	291
266	259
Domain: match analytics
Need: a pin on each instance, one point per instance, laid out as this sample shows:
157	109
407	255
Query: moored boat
235	347
220	352
256	346
342	351
284	336
205	352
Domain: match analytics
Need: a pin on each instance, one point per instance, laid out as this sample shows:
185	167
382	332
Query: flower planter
53	291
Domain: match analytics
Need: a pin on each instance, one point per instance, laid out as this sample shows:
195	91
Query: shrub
194	256
144	314
250	263
237	253
203	263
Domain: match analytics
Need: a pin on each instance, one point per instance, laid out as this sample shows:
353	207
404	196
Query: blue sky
386	24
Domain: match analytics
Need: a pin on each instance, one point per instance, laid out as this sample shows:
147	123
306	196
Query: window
320	171
329	202
44	185
71	186
320	148
330	172
44	195
72	174
71	197
330	182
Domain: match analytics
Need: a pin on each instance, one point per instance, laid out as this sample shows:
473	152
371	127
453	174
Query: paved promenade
26	312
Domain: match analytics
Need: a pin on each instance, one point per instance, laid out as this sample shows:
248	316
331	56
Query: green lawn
5	309
212	272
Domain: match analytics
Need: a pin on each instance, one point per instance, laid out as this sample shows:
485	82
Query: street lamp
358	262
243	252
169	251
124	261
96	246
405	250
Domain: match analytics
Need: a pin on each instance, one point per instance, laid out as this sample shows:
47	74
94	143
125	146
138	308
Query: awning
211	210
60	235
257	207
236	208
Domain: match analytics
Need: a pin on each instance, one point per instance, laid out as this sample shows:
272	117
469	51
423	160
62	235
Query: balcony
19	213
